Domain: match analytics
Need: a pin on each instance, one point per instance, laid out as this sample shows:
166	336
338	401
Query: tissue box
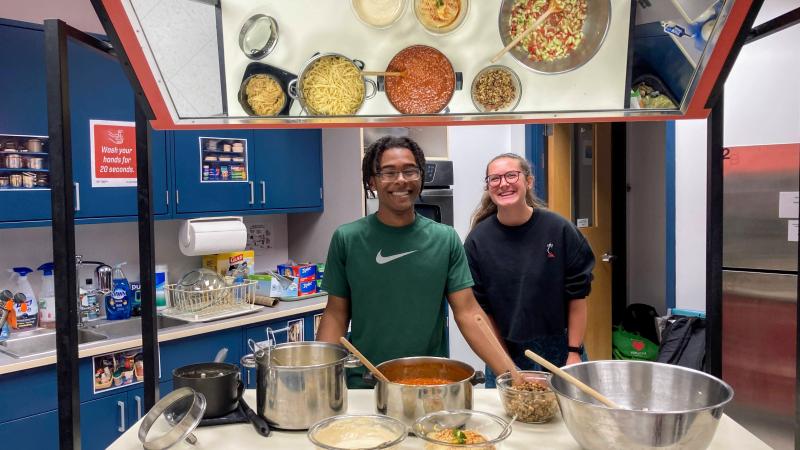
305	272
267	285
223	263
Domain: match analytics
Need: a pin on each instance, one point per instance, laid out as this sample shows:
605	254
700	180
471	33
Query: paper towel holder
185	233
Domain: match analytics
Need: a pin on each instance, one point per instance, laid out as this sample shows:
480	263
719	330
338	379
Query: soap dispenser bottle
47	297
25	304
118	301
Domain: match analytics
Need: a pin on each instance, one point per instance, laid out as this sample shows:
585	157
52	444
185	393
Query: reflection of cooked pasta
333	86
458	437
264	95
557	37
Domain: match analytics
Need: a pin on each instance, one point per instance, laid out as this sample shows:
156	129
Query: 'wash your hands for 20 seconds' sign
113	153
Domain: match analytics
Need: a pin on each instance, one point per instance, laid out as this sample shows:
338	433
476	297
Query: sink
132	327
38	342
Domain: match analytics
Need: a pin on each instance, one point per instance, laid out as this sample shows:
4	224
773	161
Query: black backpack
683	342
641	319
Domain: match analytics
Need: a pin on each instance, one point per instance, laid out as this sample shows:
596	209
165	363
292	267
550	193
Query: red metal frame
163	120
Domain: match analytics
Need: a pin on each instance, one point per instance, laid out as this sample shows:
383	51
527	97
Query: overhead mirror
360	61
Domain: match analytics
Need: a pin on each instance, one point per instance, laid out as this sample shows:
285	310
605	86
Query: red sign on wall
113	153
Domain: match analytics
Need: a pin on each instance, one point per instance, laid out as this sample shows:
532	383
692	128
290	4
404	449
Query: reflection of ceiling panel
187	58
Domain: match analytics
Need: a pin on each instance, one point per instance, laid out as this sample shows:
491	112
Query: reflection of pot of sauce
427	85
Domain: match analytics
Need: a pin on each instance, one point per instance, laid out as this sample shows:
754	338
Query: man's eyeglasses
410	174
511	178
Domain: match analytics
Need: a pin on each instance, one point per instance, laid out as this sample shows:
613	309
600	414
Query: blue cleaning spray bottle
118	301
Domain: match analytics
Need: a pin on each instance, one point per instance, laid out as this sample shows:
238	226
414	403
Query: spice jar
34	145
28	180
13	161
15	180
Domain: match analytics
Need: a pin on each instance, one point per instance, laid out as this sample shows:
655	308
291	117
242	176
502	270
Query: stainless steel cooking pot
295	87
300	383
408	403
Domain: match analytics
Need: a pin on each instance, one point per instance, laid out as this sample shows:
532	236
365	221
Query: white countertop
10	364
553	435
310	26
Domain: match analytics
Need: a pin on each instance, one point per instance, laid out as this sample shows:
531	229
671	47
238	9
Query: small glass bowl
400	13
436	31
258	36
515	81
371	431
528	406
491	427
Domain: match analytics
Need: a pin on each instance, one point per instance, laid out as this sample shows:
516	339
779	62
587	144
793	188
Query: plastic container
47	297
118	301
161	286
25	305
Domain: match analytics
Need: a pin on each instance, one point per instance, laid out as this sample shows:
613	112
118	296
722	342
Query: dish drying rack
211	304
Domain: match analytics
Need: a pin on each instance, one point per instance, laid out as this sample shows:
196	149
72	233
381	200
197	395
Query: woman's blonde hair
487	208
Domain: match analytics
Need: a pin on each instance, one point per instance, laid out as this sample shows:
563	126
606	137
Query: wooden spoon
490	336
367	73
363	360
575	382
553	7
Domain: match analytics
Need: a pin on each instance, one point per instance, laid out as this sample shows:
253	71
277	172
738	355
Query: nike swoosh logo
380	259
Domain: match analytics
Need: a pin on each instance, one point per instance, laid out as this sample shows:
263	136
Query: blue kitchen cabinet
288	169
37	432
27	392
103	420
196	193
199	349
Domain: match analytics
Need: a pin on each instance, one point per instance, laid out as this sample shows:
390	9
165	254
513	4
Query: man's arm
334	320
465	308
576	327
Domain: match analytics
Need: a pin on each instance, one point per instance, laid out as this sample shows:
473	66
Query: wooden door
579	187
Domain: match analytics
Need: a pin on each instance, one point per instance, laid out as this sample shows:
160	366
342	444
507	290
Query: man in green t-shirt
388	273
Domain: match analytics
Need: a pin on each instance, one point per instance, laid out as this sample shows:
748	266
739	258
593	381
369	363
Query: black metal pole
714	191
147	258
63	230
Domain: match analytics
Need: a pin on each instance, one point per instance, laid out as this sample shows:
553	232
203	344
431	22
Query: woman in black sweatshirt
532	268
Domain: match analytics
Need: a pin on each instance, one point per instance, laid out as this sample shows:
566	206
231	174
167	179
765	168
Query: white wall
471	148
762	106
646	214
117	242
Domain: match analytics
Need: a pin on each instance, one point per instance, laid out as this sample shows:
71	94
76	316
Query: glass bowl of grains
496	89
532	401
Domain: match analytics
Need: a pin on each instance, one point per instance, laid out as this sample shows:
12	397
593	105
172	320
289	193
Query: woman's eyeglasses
511	178
410	174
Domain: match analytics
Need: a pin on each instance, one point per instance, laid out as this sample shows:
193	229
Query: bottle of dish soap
25	304
47	297
118	301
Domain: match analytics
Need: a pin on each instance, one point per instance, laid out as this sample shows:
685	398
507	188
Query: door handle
608	257
77	196
166	193
177	197
263	192
252	193
121	405
138	407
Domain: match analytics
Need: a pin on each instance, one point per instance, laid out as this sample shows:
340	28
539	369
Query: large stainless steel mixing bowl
595	28
667	407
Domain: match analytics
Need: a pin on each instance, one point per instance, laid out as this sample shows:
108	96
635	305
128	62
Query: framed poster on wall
223	160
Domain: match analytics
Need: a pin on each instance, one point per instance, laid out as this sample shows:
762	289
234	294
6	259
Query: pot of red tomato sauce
421	385
427	84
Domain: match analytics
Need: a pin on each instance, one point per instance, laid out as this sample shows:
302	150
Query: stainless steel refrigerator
759	329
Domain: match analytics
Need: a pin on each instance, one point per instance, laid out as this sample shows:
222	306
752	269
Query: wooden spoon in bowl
574	381
363	360
490	336
553	7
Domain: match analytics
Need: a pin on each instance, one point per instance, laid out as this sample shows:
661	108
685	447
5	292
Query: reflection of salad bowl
595	28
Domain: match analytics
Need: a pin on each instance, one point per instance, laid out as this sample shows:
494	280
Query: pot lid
172	419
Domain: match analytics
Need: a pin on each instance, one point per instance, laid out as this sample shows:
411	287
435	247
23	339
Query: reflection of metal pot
408	403
296	86
300	383
415	93
13	161
34	163
595	28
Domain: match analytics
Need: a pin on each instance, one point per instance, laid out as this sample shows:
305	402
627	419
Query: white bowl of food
368	431
440	17
461	429
379	14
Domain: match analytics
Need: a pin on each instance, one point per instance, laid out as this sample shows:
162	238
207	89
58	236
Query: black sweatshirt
526	275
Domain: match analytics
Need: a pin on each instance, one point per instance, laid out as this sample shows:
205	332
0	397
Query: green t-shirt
396	279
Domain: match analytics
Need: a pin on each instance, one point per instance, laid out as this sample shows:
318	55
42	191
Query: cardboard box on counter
225	263
272	284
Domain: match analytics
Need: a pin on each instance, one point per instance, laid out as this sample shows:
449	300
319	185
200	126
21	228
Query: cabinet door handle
121	405
177	197
77	196
138	407
263	192
166	193
252	193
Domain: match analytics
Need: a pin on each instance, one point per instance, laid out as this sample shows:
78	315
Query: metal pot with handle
296	89
300	383
408	402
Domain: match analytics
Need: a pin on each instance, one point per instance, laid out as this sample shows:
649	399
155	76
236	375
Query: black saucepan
218	382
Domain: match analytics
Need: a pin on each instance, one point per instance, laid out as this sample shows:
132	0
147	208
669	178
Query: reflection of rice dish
378	13
264	95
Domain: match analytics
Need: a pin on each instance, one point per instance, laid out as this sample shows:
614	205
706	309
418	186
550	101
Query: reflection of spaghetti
333	86
264	95
117	137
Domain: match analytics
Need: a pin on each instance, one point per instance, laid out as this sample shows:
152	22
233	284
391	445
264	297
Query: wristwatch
578	349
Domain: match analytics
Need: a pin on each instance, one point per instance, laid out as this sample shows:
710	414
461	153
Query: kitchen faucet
85	311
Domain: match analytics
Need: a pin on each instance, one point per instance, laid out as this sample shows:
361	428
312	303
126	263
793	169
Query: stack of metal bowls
665	406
